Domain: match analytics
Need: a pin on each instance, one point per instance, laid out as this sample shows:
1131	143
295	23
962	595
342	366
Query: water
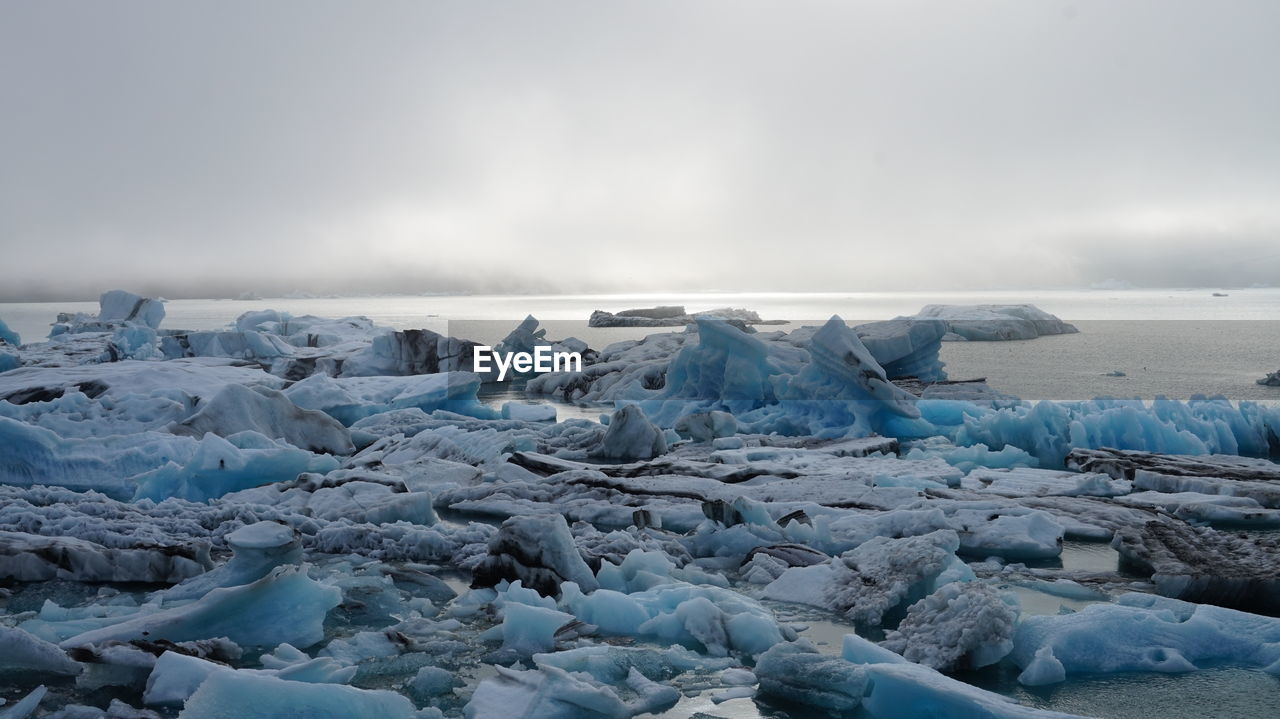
1175	343
1223	692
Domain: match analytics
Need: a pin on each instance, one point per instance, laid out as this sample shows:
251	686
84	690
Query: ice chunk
32	558
351	399
613	664
268	412
914	691
1204	565
706	426
258	547
176	676
8	336
528	630
796	672
1027	482
877	577
432	682
253	696
9	359
121	306
1142	632
537	551
963	625
1051	430
529	411
717	619
286	606
22	651
631	436
1044	668
996	322
864	651
552	693
24	707
218	467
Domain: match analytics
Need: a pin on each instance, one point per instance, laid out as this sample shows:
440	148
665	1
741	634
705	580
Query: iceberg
995	322
1144	633
122	306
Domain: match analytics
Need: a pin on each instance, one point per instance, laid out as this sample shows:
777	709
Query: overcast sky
205	149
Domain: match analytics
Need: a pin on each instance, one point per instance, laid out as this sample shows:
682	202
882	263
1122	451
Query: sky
204	149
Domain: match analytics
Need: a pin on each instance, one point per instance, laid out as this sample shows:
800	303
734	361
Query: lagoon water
1171	342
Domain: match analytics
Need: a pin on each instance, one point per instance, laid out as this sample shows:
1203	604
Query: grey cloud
209	148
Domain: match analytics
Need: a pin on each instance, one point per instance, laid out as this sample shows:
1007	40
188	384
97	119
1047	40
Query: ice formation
995	322
321	515
672	316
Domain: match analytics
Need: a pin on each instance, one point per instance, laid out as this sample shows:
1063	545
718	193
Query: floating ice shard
24	707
